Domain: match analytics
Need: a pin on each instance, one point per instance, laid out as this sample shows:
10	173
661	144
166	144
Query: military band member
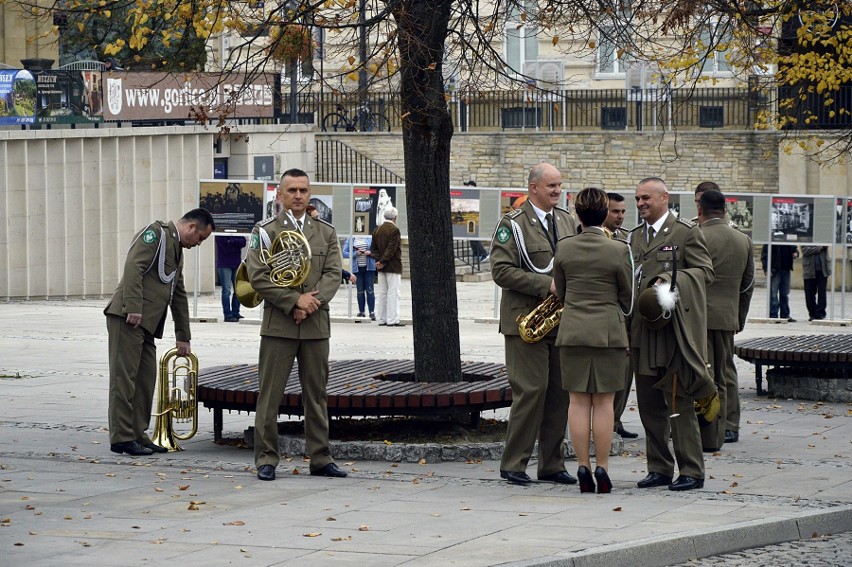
296	325
522	252
136	315
728	301
613	222
670	351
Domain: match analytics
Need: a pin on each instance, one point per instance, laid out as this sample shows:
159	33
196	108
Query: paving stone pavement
66	500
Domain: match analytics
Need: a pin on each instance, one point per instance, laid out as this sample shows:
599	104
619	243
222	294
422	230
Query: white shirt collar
659	224
540	214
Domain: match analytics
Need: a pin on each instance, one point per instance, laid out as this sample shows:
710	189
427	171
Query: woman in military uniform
594	279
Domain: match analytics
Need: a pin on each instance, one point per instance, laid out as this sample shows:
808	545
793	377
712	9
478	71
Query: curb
697	544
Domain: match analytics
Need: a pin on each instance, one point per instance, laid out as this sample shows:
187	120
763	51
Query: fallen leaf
184	487
29	507
296	471
386	442
68	518
363	528
523	514
347	538
421	462
465	509
157	489
234	523
394	465
331	519
734	484
313	534
618	509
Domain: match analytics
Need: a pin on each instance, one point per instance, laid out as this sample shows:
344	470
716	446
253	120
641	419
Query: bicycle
365	120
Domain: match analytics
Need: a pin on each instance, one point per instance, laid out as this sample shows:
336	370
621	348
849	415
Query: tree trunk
426	135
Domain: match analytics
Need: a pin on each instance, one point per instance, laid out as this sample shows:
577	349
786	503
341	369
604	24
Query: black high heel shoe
604	484
587	483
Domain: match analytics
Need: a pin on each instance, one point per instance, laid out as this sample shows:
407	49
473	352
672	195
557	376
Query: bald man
522	251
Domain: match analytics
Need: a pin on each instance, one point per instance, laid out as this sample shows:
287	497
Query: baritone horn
289	261
177	401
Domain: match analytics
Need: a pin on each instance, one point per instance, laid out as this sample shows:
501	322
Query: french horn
289	261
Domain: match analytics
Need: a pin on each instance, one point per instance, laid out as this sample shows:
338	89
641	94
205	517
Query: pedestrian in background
815	271
229	254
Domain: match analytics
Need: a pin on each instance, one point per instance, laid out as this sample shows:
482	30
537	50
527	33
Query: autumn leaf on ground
184	487
347	538
194	505
617	509
363	528
313	534
234	523
158	489
331	519
421	462
734	484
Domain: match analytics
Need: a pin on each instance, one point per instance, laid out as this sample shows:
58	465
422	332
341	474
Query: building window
521	40
609	61
714	48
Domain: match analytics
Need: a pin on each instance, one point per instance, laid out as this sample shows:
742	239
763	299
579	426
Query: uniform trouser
654	411
619	403
539	406
276	362
132	378
732	383
387	300
720	352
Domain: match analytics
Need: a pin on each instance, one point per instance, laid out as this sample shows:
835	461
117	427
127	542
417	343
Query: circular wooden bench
805	351
362	388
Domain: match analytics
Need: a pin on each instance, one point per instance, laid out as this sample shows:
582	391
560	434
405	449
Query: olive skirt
593	370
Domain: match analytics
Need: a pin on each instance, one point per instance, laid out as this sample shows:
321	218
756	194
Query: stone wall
741	161
809	384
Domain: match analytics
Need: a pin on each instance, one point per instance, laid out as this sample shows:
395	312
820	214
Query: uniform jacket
523	288
729	296
654	259
324	276
141	289
594	279
813	256
386	247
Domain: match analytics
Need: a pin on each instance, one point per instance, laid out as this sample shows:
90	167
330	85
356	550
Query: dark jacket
386	247
229	251
782	257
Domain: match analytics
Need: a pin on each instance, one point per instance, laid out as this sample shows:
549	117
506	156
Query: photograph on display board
464	207
271	205
792	219
235	205
740	210
511	200
846	223
321	201
674	204
373	201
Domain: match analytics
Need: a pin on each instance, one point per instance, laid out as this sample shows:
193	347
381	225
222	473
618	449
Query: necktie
650	233
299	224
551	226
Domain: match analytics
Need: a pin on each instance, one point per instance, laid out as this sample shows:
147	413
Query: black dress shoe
604	483
397	325
521	478
562	477
383	324
709	449
155	448
266	472
654	479
330	469
626	434
587	483
732	436
686	483
130	447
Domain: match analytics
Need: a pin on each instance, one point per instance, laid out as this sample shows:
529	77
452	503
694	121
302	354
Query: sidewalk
65	499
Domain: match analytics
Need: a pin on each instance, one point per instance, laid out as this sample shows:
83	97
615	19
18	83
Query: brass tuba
541	320
289	261
176	399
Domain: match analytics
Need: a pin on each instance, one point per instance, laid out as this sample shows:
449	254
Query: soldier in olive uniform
657	353
296	325
613	222
136	315
522	252
728	301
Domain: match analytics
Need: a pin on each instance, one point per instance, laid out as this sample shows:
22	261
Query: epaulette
688	223
566	236
515	213
637	227
323	222
566	211
267	221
